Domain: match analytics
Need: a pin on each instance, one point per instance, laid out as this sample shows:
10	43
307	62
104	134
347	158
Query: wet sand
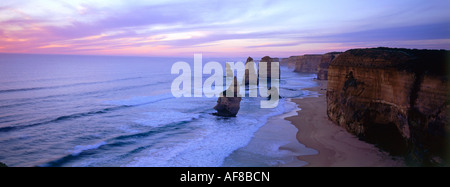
336	147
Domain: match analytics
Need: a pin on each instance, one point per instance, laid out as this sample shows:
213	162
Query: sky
221	28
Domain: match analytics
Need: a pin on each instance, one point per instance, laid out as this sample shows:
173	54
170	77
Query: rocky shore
394	98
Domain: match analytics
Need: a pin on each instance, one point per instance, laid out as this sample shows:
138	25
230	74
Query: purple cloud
177	26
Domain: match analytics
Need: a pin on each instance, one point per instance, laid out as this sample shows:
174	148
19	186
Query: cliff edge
307	63
394	98
322	69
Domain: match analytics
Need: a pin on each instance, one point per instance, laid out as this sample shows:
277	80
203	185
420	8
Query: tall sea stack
269	68
229	106
250	71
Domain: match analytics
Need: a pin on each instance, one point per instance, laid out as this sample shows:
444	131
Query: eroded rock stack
393	96
250	71
269	67
229	106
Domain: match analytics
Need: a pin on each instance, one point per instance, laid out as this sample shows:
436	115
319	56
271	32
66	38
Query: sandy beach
336	147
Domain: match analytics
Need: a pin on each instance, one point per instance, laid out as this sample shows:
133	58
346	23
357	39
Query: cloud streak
222	28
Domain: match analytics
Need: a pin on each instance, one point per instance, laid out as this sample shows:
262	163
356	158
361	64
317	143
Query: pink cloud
180	29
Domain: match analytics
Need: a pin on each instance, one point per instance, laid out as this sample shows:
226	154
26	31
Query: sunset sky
220	28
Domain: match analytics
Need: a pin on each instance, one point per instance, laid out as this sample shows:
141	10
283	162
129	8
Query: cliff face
322	69
307	63
396	97
284	61
292	60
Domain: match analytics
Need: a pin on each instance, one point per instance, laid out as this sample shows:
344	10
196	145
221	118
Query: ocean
68	110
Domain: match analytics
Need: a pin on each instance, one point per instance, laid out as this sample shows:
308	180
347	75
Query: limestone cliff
284	61
322	69
292	60
395	98
307	63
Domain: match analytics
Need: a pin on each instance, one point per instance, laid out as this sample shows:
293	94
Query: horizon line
152	56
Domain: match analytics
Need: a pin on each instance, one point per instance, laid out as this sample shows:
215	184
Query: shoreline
336	147
273	145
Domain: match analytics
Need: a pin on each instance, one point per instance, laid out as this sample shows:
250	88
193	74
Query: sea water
66	110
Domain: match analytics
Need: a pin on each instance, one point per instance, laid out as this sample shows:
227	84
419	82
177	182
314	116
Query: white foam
215	138
139	100
209	148
274	144
156	119
80	148
161	156
291	109
127	129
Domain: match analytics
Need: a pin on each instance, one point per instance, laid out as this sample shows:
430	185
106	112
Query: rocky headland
292	60
284	61
307	63
394	98
322	68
